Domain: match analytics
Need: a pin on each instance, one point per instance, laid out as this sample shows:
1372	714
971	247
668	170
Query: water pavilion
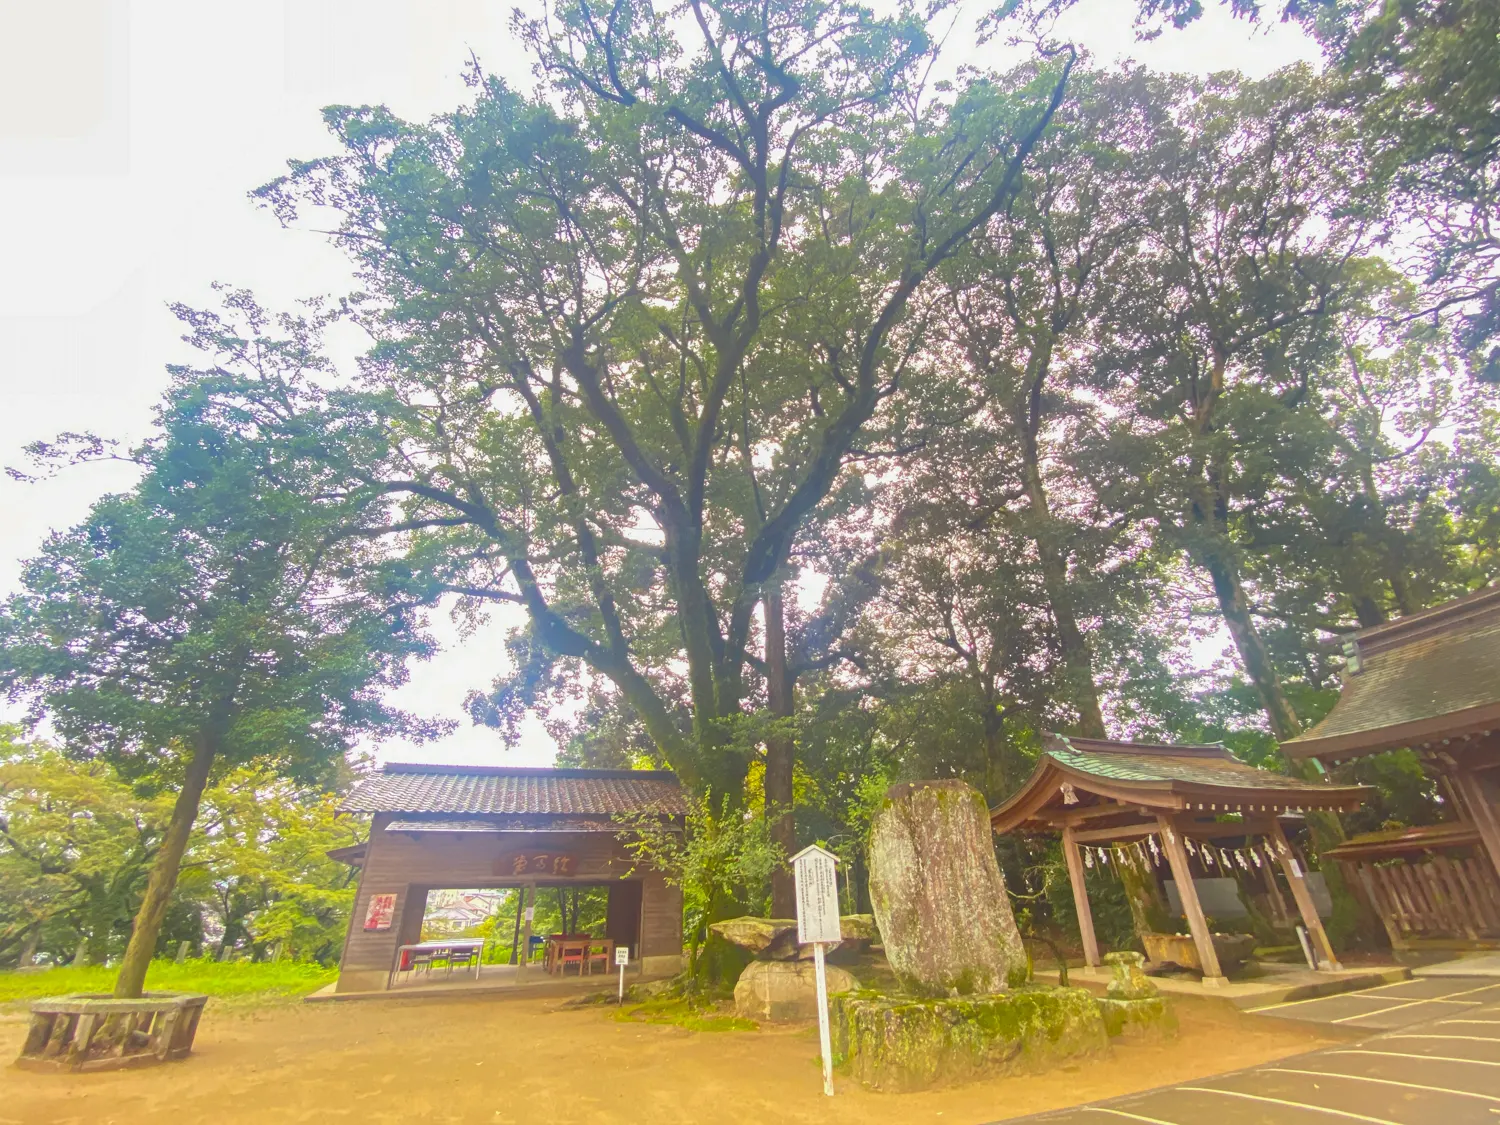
1160	804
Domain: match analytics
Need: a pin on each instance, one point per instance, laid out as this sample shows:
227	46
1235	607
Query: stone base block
1148	1018
895	1043
785	990
363	980
661	965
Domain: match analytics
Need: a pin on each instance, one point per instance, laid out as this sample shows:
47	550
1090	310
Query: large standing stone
938	894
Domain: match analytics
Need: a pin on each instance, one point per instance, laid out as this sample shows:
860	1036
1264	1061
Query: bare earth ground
519	1061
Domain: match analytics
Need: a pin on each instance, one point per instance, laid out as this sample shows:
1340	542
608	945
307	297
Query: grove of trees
828	424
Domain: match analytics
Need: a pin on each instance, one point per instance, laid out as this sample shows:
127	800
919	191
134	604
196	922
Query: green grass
682	1013
264	981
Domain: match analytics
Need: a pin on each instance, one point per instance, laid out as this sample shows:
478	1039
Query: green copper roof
1145	762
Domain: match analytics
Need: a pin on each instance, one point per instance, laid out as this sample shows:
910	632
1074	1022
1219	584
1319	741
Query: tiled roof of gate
404	787
1419	678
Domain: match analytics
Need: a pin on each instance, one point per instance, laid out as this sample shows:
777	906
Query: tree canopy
825	424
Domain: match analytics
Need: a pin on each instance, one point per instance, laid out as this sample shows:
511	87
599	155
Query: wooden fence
1436	898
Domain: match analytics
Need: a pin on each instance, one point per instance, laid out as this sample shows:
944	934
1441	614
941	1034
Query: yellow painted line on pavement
1409	1055
1289	1104
1448	999
1429	1035
1131	1116
1380	1081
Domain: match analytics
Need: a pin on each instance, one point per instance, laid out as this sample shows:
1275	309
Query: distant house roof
1421	678
1125	784
498	791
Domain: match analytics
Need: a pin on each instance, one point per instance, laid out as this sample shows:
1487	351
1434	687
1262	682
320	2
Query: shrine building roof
1125	784
458	793
1420	679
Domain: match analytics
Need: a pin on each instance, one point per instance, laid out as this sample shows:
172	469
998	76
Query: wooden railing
1435	898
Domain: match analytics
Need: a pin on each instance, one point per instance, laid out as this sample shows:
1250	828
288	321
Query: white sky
129	136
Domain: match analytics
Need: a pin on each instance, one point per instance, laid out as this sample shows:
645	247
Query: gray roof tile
505	790
1422	676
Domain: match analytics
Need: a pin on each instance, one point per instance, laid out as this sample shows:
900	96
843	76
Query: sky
130	134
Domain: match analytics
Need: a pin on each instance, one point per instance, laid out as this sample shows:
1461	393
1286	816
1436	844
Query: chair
571	953
414	959
464	958
600	951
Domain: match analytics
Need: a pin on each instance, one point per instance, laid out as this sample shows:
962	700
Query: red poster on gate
381	911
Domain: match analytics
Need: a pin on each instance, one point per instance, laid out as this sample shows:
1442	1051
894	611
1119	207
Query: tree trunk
101	921
515	940
1078	668
28	946
1325	827
148	919
781	753
1234	605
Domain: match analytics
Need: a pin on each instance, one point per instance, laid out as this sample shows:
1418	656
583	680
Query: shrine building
1183	812
1428	682
541	830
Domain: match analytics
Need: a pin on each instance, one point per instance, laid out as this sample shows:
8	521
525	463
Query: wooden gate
1437	897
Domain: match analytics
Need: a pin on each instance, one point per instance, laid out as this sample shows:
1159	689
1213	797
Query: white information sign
622	958
818	925
817	896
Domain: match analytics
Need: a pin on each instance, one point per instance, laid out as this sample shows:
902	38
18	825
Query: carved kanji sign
536	863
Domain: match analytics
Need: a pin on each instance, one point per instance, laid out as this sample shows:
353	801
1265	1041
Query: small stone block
1130	980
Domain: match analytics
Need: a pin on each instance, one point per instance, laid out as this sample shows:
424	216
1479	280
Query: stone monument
938	894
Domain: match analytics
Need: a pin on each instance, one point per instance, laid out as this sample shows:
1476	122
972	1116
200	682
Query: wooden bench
96	1031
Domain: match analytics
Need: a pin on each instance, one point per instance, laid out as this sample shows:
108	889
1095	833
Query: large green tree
636	329
216	613
1251	221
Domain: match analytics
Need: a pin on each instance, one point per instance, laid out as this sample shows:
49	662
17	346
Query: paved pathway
1435	1061
1392	1006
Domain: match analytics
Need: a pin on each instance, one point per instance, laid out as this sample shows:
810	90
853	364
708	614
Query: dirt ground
515	1061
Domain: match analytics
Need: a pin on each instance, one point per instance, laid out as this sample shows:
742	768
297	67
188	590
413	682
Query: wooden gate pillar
1080	897
1203	937
1481	812
1303	898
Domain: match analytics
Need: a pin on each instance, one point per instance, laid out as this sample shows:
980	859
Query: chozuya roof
1427	676
508	791
1078	776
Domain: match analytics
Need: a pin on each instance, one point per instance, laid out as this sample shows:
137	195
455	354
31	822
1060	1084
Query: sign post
818	925
622	958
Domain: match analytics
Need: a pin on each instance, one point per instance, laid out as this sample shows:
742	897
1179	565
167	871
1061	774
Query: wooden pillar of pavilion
1327	959
1080	897
1203	938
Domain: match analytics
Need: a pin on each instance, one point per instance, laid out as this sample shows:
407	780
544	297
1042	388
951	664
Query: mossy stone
938	894
899	1043
1147	1018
